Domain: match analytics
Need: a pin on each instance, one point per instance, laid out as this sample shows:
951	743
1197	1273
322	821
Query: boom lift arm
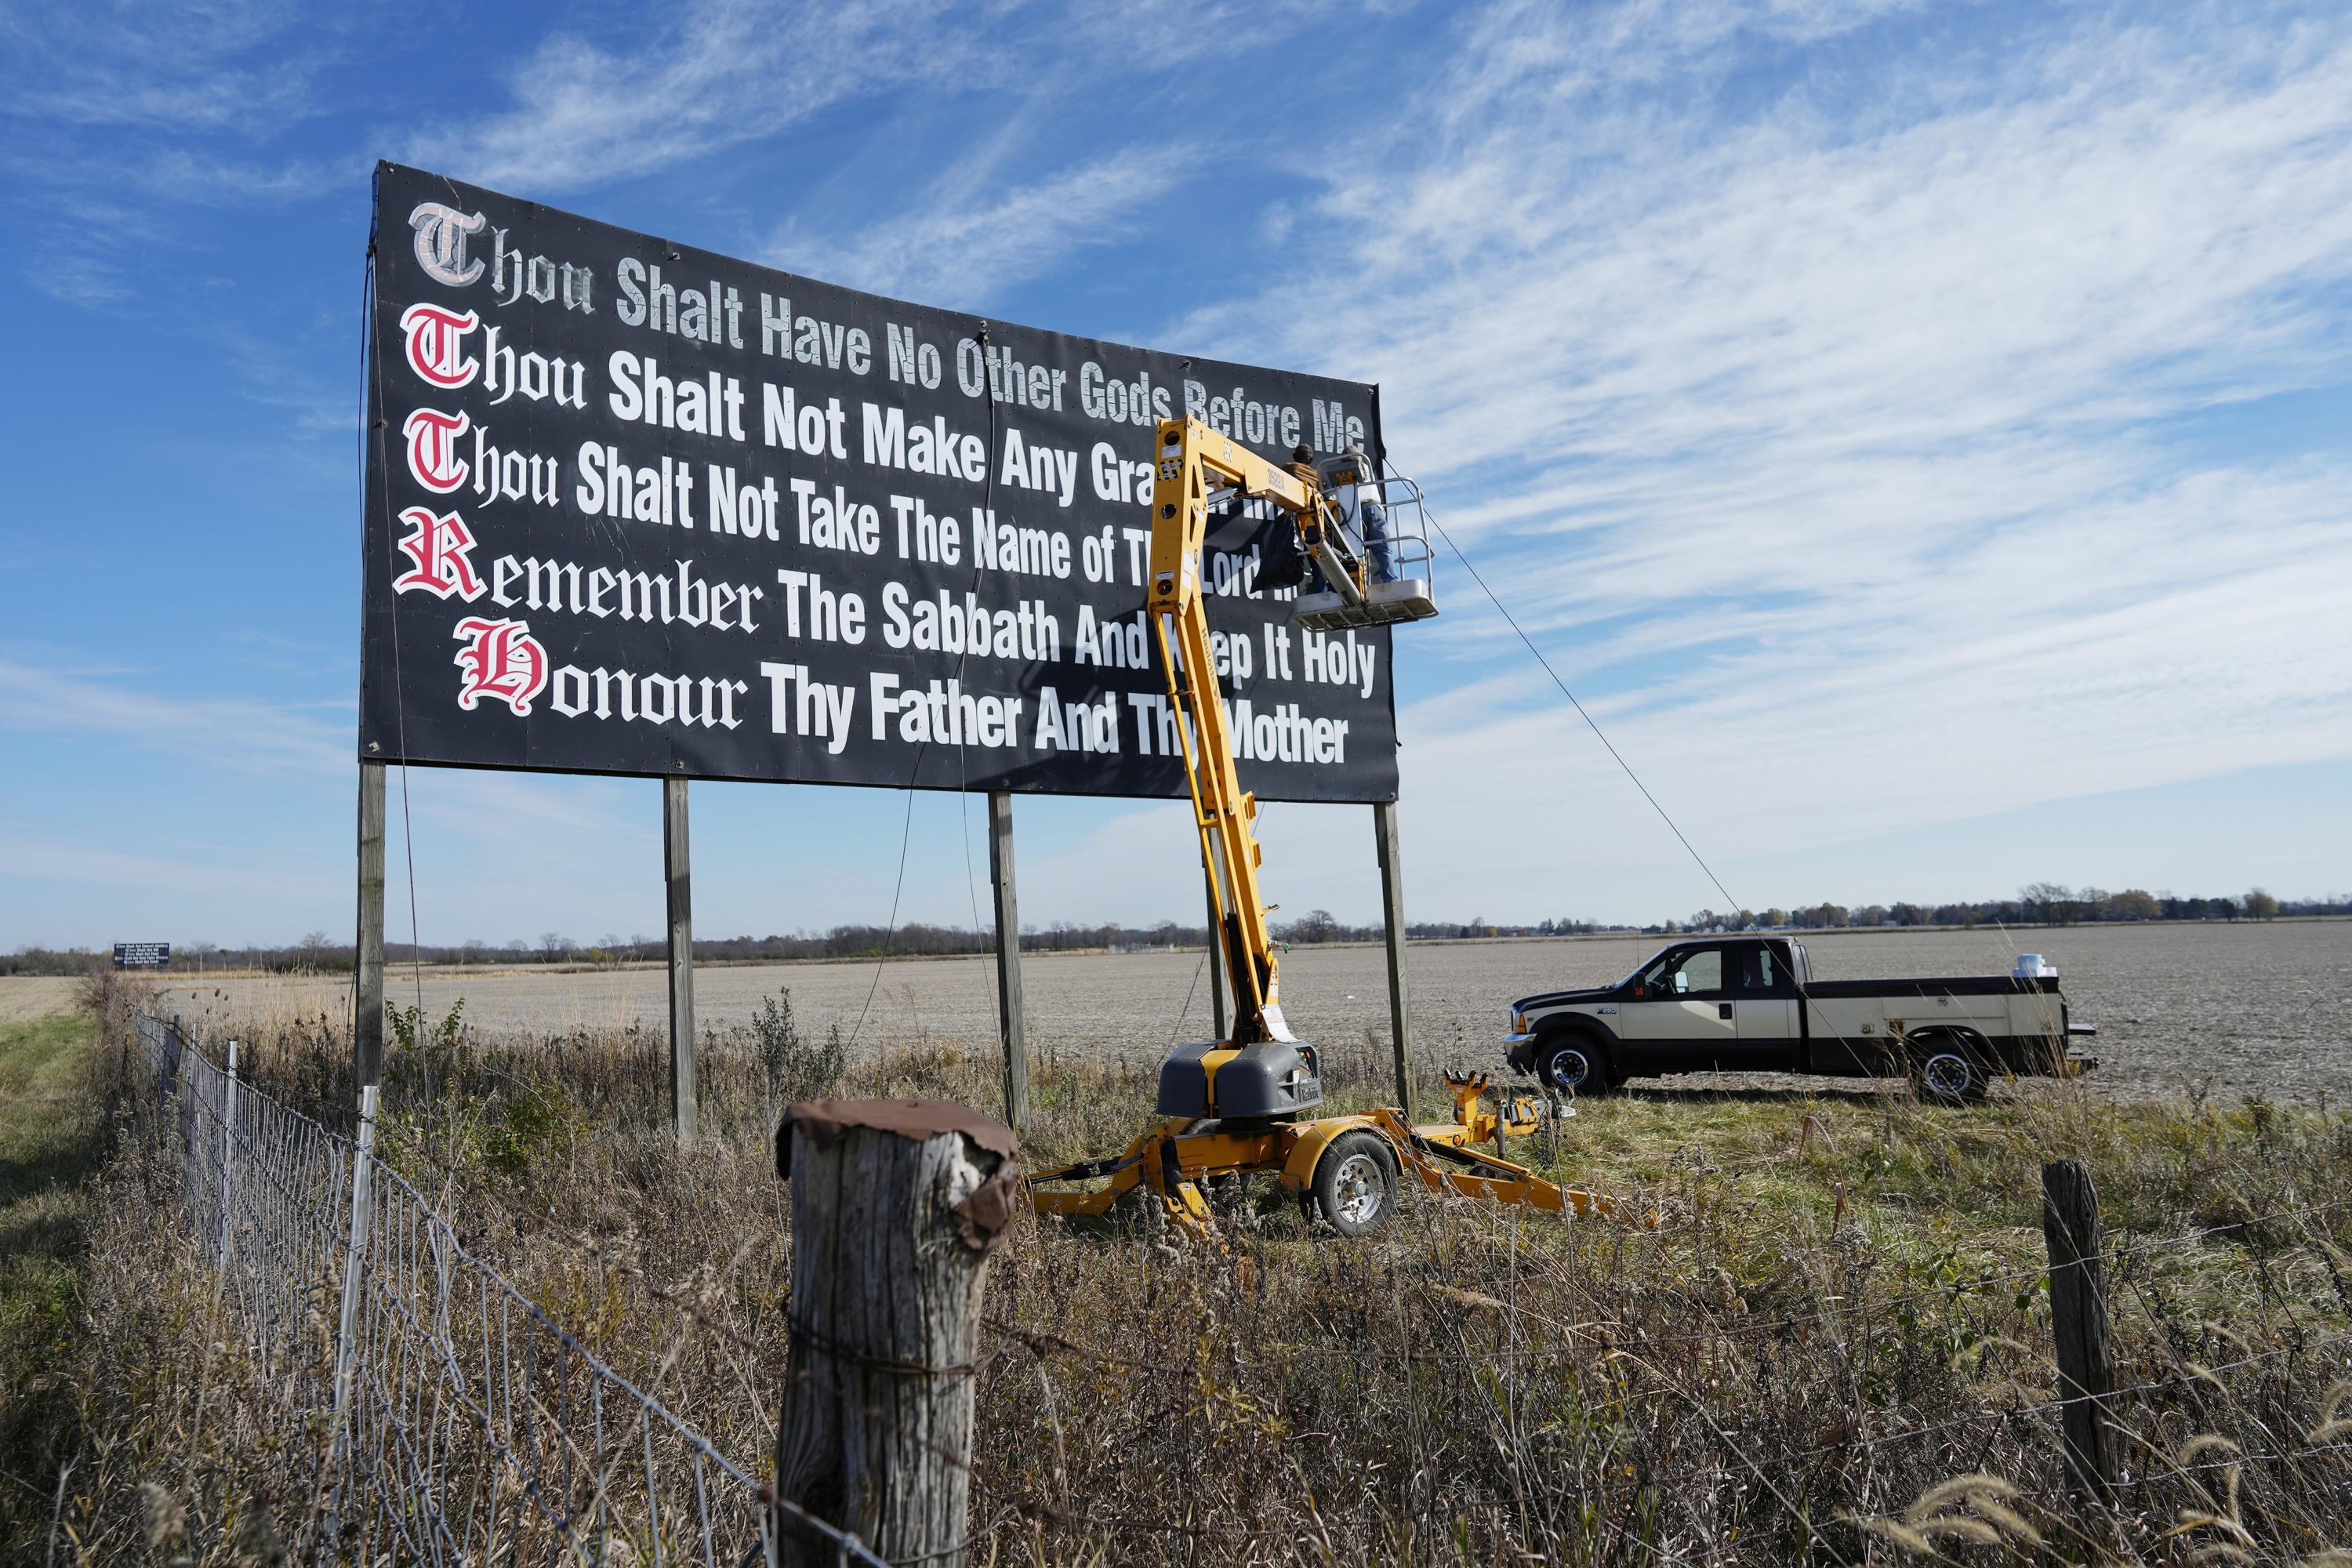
1238	1107
1194	464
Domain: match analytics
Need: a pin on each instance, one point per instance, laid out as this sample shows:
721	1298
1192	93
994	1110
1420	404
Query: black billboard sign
141	954
635	508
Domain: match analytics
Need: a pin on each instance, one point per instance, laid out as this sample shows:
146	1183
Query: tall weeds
1833	1349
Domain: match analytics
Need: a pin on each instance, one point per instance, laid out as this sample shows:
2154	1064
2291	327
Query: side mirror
1681	982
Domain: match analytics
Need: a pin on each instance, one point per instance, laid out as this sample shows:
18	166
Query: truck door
1683	1016
1764	1004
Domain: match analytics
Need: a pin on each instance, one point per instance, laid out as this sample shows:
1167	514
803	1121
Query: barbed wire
1754	1329
2180	1472
468	1424
1615	1334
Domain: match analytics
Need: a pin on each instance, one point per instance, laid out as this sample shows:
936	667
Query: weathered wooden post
895	1204
367	979
2078	1315
1010	1018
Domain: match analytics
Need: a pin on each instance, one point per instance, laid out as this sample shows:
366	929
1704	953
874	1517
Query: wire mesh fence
442	1415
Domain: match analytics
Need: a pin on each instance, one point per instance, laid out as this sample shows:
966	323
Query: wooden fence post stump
2078	1315
895	1206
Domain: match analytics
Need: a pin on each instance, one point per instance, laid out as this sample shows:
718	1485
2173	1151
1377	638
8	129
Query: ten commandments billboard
635	508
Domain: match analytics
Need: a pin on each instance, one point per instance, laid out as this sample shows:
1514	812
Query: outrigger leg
1173	1159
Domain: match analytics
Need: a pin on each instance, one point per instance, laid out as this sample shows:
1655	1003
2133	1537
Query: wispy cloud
181	67
725	72
962	241
66	702
122	117
1831	435
209	872
232	733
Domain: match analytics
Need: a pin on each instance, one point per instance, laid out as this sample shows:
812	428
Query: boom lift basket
1355	594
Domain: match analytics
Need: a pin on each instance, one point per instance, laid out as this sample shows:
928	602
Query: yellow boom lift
1244	1105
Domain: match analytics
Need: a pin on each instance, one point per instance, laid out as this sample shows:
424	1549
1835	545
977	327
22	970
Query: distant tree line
2041	903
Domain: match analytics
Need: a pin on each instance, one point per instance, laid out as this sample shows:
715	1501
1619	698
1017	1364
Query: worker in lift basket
1371	517
1288	565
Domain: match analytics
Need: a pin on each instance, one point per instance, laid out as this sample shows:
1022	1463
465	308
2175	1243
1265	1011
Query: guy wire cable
1735	905
907	825
963	789
1619	757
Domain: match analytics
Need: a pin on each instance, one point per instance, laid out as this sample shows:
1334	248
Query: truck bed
1933	985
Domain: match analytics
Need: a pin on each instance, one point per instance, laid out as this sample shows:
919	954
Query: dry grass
1834	1350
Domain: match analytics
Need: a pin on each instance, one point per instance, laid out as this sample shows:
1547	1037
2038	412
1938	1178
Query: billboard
635	508
142	954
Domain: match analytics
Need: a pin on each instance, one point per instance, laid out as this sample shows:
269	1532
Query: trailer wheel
1573	1065
1356	1183
1946	1072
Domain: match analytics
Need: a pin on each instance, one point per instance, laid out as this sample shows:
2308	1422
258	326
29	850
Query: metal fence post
228	1152
677	877
362	1162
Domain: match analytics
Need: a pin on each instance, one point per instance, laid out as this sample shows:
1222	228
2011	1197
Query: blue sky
1923	436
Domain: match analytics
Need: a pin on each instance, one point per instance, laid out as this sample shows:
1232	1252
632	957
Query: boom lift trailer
1243	1105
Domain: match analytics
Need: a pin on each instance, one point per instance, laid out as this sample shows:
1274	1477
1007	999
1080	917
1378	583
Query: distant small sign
141	954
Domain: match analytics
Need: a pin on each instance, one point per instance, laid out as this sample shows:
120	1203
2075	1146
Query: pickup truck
1750	1004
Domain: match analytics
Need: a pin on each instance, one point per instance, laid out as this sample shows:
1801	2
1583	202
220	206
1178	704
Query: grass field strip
470	1380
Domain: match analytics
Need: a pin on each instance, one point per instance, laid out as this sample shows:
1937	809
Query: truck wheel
1946	1072
1573	1067
1356	1183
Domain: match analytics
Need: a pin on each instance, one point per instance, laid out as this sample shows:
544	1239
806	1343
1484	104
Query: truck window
1760	973
1695	972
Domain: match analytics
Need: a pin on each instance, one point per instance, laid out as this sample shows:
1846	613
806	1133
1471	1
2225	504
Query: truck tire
1574	1064
1356	1183
1948	1070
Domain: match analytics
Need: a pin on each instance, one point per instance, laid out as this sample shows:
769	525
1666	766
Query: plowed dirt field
2240	1008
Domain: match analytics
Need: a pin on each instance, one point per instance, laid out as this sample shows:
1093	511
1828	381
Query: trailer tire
1573	1064
1948	1070
1356	1183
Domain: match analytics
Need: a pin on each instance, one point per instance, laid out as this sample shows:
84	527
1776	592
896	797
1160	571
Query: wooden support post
2078	1314
367	999
1217	968
1384	836
677	871
895	1204
1011	1024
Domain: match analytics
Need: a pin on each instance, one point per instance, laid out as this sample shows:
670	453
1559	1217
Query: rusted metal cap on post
984	1214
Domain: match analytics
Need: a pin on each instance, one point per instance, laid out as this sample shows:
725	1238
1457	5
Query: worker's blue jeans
1375	521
